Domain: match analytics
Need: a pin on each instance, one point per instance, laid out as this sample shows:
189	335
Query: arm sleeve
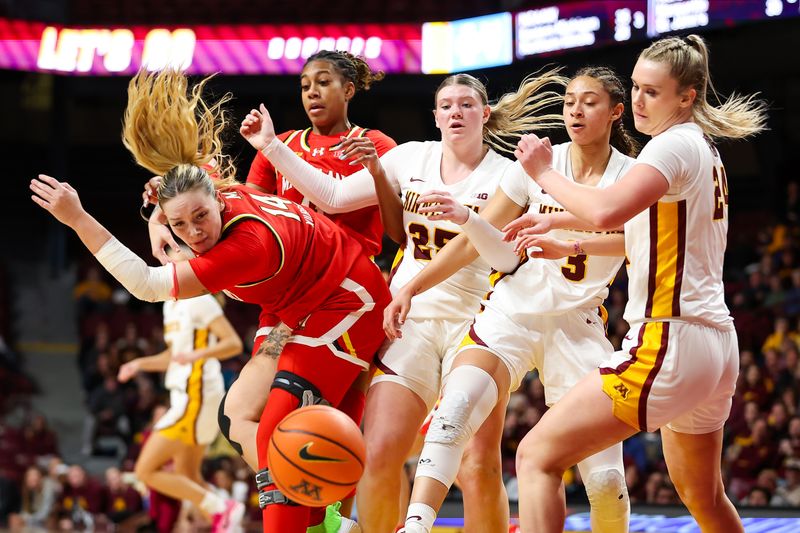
332	196
671	153
249	254
488	240
262	173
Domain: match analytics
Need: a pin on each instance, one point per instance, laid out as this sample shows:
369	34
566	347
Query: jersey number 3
575	269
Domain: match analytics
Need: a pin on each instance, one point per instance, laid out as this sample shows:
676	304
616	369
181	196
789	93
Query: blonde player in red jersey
678	367
465	163
541	313
258	248
197	335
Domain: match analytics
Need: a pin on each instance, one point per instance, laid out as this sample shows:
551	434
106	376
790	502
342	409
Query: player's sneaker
229	520
335	523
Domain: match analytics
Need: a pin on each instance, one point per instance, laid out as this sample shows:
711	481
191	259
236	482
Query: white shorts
564	348
192	417
421	359
675	374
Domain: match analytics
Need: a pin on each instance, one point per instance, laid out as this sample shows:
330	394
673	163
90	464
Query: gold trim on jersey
629	384
239	218
667	252
294	134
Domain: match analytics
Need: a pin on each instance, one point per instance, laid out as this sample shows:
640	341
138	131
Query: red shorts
339	340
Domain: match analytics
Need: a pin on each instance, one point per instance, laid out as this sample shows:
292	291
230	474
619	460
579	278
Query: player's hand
161	238
57	197
534	154
442	206
527	224
548	248
127	371
395	314
183	357
150	194
360	150
257	128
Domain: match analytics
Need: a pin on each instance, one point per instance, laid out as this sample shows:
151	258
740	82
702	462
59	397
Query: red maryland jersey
277	254
320	151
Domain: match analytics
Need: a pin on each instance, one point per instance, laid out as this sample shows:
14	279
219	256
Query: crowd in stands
762	437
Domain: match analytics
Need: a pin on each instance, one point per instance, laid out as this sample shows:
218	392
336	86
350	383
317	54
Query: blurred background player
198	336
465	162
678	367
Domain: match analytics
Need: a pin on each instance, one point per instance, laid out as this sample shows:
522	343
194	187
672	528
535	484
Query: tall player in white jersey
543	314
411	369
678	367
198	336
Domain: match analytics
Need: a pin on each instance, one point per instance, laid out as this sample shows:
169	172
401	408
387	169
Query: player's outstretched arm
612	245
604	208
332	196
152	284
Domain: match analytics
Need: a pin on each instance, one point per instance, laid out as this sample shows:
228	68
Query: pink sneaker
230	519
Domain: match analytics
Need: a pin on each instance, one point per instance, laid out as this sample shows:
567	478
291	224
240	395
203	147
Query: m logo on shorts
622	390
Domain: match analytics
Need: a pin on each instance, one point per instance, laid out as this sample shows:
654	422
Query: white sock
212	503
419	518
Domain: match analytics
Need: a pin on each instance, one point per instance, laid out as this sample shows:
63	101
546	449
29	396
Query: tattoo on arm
275	341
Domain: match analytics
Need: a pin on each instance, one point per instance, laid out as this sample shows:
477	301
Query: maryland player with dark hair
257	248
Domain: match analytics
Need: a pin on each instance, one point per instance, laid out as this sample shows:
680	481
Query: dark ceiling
243	11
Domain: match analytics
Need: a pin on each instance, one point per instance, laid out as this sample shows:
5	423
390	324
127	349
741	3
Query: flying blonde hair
737	117
172	132
516	113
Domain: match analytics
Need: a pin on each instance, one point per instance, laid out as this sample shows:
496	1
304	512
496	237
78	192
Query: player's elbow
607	219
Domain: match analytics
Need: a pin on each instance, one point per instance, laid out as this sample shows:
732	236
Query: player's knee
467	401
700	498
225	425
479	470
299	387
607	491
143	472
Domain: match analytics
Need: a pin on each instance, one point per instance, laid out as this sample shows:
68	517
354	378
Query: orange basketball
316	455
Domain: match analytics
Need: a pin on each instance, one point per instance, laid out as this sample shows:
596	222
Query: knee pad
298	386
467	400
225	425
608	497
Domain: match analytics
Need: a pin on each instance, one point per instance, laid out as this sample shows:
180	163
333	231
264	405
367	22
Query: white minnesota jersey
554	286
676	247
414	168
186	328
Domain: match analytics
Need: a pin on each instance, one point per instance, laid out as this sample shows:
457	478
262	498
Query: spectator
92	294
38	500
788	492
120	501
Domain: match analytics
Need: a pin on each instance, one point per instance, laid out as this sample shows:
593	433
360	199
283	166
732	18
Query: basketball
316	455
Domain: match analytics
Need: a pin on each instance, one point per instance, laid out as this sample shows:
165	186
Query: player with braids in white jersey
466	164
542	312
678	366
